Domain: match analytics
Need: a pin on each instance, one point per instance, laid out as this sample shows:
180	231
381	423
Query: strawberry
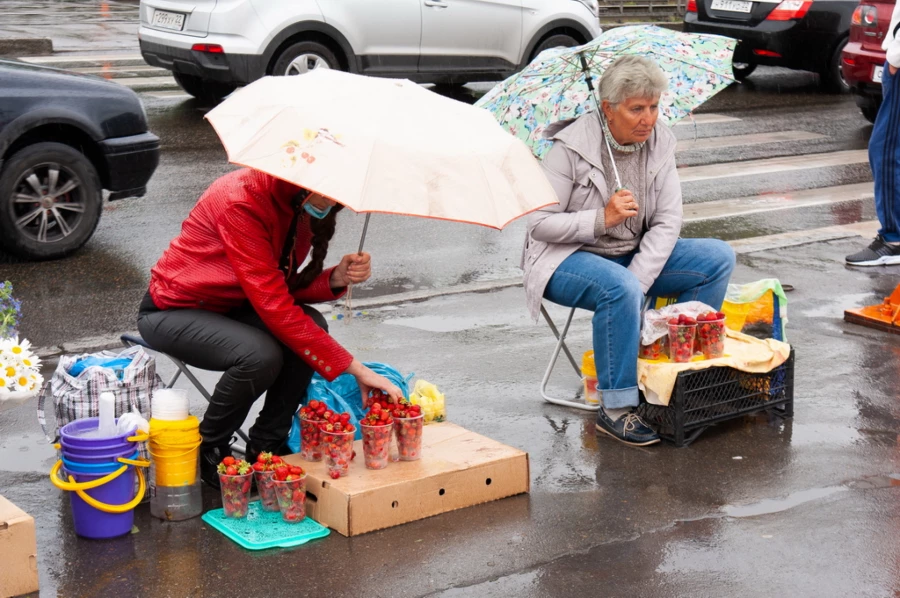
229	460
334	473
231	470
314	404
259	466
277	460
264	457
281	472
296	470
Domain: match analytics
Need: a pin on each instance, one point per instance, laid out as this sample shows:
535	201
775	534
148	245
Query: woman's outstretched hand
354	268
369	380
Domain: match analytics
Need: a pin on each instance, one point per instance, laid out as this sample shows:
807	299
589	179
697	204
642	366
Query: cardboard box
18	545
458	469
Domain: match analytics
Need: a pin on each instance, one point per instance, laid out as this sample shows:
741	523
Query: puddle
806	434
765	507
836	307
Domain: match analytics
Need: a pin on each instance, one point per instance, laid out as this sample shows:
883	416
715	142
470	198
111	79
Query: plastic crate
705	397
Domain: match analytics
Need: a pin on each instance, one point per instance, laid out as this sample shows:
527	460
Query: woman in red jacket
228	295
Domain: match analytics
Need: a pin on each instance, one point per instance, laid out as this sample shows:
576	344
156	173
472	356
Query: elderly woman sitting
605	246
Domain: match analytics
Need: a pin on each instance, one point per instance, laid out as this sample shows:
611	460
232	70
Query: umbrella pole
586	70
362	241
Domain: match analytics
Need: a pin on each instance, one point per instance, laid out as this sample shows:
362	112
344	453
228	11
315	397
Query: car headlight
593	6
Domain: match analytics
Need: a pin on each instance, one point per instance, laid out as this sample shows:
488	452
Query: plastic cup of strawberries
235	478
711	330
311	416
682	332
377	431
658	349
408	424
337	438
290	490
264	473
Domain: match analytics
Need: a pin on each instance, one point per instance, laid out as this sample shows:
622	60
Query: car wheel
555	41
203	89
870	111
833	76
742	70
303	57
50	201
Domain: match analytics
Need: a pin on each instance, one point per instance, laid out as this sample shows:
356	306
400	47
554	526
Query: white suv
213	46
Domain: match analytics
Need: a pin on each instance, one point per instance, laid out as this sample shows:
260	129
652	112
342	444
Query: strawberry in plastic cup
655	350
338	450
310	440
291	494
377	430
711	330
265	484
408	423
682	331
235	478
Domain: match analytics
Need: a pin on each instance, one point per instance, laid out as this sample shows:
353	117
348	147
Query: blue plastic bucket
116	447
94	523
104	468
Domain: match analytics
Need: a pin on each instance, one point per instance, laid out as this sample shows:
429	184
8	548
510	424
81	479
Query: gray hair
632	77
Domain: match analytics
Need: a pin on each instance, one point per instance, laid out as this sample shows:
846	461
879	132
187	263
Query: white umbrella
382	145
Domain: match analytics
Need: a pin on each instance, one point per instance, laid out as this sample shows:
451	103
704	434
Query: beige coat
574	169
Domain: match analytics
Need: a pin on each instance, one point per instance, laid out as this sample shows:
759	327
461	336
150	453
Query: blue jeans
697	270
884	156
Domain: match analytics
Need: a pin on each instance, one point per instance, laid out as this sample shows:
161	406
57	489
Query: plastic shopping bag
430	399
757	308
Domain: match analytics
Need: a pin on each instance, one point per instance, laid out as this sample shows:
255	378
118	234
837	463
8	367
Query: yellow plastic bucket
174	447
589	376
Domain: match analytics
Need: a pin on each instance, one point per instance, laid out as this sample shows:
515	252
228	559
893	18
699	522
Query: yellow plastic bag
430	399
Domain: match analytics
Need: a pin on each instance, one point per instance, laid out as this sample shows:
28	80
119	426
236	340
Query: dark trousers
252	359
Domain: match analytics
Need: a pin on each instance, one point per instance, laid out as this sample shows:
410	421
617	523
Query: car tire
560	40
67	219
833	76
742	70
303	57
203	89
870	111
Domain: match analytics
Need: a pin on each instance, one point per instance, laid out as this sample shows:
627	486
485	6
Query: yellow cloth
742	352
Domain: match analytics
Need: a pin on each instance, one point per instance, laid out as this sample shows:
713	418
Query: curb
740	246
26	46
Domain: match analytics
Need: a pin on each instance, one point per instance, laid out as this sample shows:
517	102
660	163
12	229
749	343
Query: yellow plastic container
174	447
589	376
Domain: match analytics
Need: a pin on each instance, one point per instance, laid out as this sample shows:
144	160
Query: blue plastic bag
117	364
342	395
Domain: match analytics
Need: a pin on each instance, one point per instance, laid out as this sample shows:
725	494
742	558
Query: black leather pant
253	360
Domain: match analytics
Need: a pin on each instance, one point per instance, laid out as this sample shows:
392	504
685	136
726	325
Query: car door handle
436	4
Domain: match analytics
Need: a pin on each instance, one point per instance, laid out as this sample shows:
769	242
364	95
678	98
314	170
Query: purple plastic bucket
94	523
72	434
99	456
79	451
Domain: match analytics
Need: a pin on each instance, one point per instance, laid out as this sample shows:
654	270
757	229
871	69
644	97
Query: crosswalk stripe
742	206
56	59
708	143
119	71
172	94
770	166
706	119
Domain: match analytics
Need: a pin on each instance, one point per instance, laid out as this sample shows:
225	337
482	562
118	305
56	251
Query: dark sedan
64	138
805	35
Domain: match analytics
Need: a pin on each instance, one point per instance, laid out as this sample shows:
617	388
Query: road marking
706	119
769	166
62	58
118	72
173	94
148	83
742	206
709	143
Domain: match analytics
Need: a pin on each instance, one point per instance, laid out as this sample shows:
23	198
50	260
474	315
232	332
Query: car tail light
210	48
692	6
768	53
865	16
789	10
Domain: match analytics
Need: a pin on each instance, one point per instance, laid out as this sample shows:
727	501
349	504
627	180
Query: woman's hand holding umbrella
354	268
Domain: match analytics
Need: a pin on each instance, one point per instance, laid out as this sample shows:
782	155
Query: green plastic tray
261	529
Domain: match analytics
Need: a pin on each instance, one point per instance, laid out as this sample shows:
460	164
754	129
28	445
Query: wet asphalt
755	507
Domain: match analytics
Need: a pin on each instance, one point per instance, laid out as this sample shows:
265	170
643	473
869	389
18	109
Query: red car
863	59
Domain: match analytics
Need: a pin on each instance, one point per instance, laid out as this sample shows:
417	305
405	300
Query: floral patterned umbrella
555	86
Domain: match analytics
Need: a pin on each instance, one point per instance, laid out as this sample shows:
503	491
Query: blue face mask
315	212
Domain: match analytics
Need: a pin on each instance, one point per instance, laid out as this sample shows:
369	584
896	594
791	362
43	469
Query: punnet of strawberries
337	433
408	425
311	416
234	478
264	472
290	491
711	330
377	430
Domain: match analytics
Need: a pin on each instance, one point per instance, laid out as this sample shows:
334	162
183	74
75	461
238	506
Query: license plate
732	5
168	20
876	74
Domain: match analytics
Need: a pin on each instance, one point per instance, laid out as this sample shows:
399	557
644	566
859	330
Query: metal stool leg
561	345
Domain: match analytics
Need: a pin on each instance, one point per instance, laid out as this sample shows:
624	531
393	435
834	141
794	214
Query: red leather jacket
228	253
